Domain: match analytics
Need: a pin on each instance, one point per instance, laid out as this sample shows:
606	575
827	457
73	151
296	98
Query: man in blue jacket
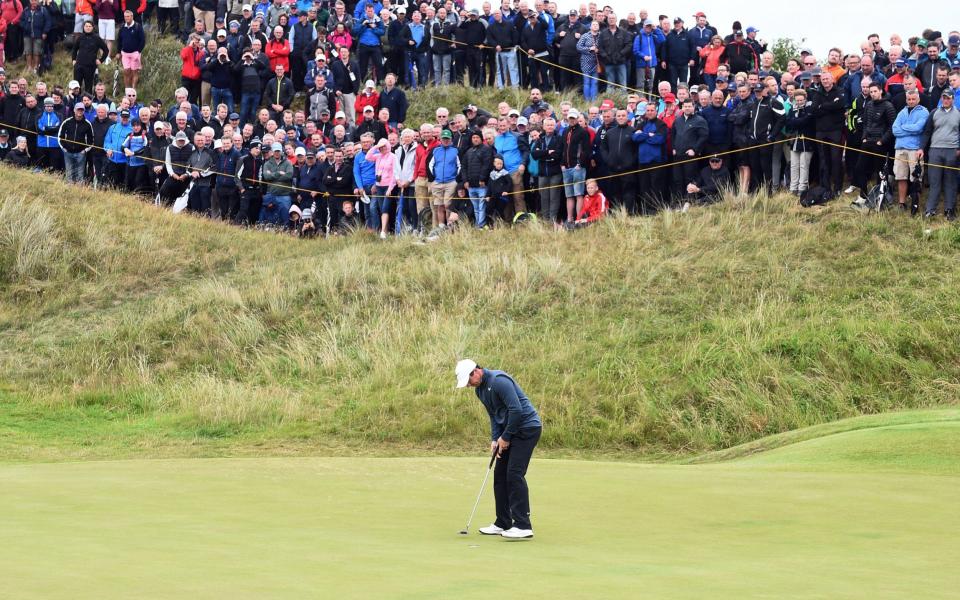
515	429
368	32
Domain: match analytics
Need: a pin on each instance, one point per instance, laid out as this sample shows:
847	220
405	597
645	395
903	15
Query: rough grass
676	335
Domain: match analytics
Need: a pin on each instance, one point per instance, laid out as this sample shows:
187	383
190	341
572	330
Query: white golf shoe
491	529
517	534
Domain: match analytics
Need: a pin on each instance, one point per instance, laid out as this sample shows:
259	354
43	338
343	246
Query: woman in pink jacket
386	181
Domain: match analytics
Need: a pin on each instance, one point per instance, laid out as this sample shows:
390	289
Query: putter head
463	532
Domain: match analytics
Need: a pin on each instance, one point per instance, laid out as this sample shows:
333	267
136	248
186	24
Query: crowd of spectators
293	113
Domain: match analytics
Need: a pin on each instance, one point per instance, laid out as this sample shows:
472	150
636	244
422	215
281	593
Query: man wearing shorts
908	131
421	183
130	44
36	23
443	168
576	156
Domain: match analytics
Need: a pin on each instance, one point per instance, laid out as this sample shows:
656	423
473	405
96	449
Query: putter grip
493	458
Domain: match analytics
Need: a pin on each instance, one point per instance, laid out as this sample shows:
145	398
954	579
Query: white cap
370	84
463	370
340	115
301	151
246	7
221	32
73	84
573	114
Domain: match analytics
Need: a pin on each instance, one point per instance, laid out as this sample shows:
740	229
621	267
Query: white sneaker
383	235
491	530
517	534
686	207
850	189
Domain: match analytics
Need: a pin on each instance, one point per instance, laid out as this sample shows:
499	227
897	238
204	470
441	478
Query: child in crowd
594	204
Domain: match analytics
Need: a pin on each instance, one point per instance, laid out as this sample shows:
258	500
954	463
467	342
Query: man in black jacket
548	151
503	36
576	159
677	55
249	73
89	50
829	108
533	41
767	119
76	139
618	152
415	40
477	165
473	33
710	182
346	83
278	94
96	157
690	132
567	54
614	46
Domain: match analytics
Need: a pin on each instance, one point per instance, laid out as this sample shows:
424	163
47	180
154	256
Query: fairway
823	518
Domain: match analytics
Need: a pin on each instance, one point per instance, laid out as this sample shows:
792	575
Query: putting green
862	514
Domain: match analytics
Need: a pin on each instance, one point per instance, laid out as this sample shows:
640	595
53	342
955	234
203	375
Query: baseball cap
513	112
234	117
954	62
716	158
722	79
475	12
463	370
73	84
574	13
340	115
522	121
677	20
79	106
923	43
816	72
806	76
277	147
946	93
325	111
401	11
470	107
311	154
369	84
221	32
112	111
699	14
954	40
607	104
4	133
738	32
246	7
180	136
255	143
368	108
446	135
124	113
49	102
752	30
158	125
806	51
648	23
3	71
900	63
573	114
300	152
669	97
234	23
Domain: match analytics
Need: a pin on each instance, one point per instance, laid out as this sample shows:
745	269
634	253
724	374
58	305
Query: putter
493	459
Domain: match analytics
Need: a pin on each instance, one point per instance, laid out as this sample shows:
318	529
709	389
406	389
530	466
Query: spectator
134	147
443	169
589	60
441	35
504	37
131	42
368	32
346	75
278	50
303	36
76	140
618	152
801	124
381	204
190	75
576	158
278	94
36	23
533	41
364	180
908	130
941	134
106	23
116	166
614	47
828	107
650	138
677	55
277	175
594	205
878	117
568	57
394	99
740	55
415	38
710	182
89	51
646	46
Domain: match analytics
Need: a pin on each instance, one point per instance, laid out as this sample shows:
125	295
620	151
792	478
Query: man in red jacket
190	72
421	184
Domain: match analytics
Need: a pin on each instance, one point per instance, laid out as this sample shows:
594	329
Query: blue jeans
220	96
280	212
74	162
589	86
418	60
478	197
248	107
616	75
441	68
507	60
710	81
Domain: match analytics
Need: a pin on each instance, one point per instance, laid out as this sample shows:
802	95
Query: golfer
515	430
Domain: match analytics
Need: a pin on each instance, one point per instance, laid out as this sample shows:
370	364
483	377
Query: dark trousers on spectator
422	64
168	19
509	480
490	65
248	210
831	161
136	179
623	192
171	190
193	89
650	190
676	74
248	107
567	80
866	168
372	55
199	199
50	158
943	177
85	76
114	174
473	64
684	173
227	200
761	168
539	74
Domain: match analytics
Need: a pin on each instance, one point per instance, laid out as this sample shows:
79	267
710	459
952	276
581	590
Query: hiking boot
491	529
951	216
928	215
515	533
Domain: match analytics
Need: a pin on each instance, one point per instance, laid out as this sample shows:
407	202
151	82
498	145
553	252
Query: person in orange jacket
190	76
594	205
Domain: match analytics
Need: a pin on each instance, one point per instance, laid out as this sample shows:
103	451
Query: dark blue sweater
509	408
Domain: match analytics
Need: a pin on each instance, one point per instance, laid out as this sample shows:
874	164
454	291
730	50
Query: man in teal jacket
515	429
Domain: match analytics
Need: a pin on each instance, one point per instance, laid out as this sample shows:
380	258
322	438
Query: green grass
860	514
668	336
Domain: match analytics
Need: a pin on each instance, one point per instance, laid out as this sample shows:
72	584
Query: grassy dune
126	330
